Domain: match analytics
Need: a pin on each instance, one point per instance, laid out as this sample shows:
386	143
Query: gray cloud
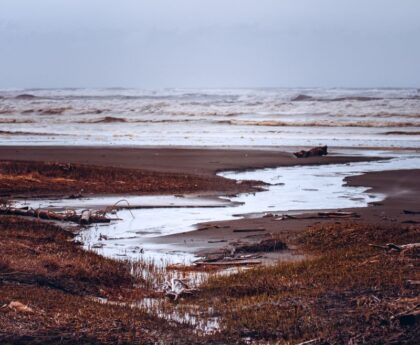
209	43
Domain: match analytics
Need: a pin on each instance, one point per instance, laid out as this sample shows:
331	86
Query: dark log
249	230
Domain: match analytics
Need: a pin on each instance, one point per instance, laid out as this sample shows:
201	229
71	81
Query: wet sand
402	190
197	161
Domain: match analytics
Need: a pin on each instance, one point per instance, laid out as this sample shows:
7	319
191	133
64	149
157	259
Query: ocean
375	118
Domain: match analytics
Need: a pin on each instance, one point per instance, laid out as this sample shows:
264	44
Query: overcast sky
209	43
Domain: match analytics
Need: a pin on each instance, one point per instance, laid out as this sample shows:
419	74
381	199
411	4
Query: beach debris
321	215
86	217
403	248
216	241
233	257
268	245
76	196
249	230
20	307
313	152
311	342
239	262
177	288
411	212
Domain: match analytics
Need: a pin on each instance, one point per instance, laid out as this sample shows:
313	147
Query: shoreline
200	161
325	263
204	163
388	212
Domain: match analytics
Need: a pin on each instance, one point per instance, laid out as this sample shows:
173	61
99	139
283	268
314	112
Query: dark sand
174	160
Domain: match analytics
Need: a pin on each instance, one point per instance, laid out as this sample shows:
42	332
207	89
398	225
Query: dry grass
42	179
347	294
61	318
38	253
41	267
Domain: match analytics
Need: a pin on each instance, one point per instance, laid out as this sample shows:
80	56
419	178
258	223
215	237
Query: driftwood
86	217
399	248
216	241
249	230
230	259
322	215
314	152
177	288
230	263
267	245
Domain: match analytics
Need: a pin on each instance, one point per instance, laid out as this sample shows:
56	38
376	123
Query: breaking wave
303	98
320	123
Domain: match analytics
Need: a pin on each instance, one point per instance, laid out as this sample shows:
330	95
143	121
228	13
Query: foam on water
264	117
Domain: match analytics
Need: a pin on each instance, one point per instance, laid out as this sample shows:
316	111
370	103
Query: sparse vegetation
344	292
56	179
347	293
41	267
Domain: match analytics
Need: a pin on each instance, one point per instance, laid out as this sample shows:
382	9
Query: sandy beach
271	239
201	165
209	172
